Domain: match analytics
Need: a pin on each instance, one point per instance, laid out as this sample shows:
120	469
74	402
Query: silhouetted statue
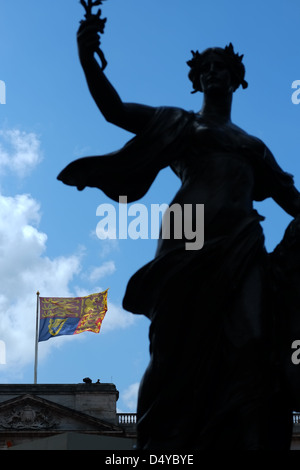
223	317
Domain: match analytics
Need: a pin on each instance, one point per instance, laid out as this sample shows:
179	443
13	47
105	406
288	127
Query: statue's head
231	61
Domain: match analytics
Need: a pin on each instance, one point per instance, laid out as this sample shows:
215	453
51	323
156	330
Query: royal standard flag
71	316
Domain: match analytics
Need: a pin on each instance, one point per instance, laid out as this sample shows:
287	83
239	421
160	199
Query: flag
71	316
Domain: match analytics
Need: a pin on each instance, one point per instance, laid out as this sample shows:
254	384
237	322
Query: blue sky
47	230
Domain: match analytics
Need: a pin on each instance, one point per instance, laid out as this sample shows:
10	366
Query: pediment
32	413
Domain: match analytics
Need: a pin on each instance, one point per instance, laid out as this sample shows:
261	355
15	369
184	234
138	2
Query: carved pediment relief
28	417
32	413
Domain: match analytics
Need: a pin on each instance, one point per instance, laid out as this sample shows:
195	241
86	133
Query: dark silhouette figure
87	380
223	317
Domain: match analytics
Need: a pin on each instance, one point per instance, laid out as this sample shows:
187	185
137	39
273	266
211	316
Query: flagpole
36	337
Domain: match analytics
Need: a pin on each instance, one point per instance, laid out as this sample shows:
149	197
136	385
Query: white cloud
24	269
19	151
104	270
129	397
116	317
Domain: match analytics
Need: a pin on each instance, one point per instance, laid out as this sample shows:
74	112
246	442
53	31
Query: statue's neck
217	107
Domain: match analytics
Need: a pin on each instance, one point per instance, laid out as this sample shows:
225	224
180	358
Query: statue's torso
215	170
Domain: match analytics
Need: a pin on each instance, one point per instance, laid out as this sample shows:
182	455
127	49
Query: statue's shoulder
249	140
171	118
174	110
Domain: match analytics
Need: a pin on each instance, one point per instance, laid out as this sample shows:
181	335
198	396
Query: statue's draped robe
220	336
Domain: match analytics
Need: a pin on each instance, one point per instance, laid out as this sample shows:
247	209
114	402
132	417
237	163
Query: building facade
71	417
63	415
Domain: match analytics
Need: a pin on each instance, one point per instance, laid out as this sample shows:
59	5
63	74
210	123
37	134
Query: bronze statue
223	317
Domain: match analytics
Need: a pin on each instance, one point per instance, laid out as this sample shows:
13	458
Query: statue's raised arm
129	116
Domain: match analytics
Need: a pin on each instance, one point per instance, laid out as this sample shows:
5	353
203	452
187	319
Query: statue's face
215	75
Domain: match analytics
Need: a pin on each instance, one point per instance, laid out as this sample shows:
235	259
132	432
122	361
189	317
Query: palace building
64	416
71	417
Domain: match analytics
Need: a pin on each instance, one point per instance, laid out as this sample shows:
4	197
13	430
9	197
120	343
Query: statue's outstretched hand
88	39
88	35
